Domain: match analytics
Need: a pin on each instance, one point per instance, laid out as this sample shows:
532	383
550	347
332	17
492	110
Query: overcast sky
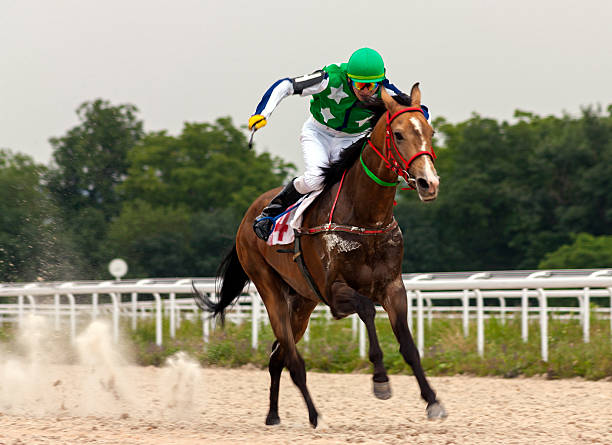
194	61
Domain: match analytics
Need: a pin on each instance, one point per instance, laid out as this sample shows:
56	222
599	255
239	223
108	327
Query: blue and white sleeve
272	97
305	86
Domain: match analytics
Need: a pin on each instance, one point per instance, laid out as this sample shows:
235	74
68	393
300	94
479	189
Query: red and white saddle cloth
282	233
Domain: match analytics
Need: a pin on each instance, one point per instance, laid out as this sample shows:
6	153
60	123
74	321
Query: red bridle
391	162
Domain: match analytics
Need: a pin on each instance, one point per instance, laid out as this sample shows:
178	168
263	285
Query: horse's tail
233	279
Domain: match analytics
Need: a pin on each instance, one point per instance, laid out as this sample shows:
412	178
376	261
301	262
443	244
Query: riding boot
265	222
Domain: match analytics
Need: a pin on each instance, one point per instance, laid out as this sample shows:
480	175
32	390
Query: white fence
135	300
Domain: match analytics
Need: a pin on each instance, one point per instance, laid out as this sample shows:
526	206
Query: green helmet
366	65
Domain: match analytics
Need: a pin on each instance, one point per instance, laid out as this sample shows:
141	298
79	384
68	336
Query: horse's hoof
314	420
272	420
435	410
382	390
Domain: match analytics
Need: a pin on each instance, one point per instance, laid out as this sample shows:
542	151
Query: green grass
447	352
332	348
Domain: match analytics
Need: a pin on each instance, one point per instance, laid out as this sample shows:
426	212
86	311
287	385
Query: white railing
154	297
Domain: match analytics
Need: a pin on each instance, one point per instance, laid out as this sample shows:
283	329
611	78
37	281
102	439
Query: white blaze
417	127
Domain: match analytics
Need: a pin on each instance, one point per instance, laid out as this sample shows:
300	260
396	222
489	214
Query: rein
392	151
392	164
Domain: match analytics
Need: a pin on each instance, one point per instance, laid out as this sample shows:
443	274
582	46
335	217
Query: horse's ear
390	104
415	95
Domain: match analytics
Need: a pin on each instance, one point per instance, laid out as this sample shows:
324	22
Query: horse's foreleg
346	301
395	305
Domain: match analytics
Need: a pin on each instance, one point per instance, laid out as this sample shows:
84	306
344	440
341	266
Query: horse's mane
332	173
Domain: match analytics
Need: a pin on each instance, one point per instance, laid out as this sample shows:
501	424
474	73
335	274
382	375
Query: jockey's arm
304	85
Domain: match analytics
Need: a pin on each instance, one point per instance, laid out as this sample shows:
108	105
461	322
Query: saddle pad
282	233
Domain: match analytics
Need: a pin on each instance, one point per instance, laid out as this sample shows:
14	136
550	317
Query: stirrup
263	226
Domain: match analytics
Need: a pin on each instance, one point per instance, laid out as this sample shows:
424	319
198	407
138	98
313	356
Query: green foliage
586	251
90	161
185	196
207	167
30	244
510	193
332	348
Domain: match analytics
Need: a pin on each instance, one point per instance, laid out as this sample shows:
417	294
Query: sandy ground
192	405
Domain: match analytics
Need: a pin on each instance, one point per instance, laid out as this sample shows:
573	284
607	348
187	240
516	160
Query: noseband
394	160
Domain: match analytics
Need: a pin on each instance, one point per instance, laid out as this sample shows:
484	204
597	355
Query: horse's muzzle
427	187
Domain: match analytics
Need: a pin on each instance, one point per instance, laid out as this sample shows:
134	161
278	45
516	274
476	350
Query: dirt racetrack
219	406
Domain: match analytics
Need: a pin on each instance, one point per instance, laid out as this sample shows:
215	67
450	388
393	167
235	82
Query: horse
352	262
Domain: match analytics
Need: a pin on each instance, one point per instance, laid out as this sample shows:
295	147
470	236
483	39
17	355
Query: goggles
365	86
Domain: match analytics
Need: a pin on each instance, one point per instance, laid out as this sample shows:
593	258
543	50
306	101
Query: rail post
135	303
420	321
543	324
586	306
255	313
71	302
158	319
525	304
466	308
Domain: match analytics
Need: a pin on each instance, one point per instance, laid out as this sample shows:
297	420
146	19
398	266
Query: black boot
263	223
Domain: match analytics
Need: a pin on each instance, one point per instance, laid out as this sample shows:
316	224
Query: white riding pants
321	146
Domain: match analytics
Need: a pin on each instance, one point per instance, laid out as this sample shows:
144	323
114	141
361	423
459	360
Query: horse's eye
398	136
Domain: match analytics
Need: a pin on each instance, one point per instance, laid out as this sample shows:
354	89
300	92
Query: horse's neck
372	203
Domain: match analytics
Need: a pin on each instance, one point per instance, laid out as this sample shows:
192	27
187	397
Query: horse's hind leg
272	291
300	314
396	306
345	301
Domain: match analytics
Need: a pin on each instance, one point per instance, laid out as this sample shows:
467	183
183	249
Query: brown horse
354	262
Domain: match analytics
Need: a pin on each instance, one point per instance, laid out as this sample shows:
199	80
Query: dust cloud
101	381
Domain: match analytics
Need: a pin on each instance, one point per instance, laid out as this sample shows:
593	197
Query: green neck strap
374	178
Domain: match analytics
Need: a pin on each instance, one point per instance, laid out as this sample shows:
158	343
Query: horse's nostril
422	183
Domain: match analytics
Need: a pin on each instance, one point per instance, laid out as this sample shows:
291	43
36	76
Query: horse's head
409	136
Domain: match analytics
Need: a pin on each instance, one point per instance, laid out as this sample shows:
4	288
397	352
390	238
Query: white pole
466	312
479	322
134	310
524	315
205	328
158	319
479	315
502	310
587	309
420	324
420	327
172	314
586	324
255	311
71	302
354	321
115	300
525	303
543	324
362	339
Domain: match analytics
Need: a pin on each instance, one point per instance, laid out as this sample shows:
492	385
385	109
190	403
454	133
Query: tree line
536	192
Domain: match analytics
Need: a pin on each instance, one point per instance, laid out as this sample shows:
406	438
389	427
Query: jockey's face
365	94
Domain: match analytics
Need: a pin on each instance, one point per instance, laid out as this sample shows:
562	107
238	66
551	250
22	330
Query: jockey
339	117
